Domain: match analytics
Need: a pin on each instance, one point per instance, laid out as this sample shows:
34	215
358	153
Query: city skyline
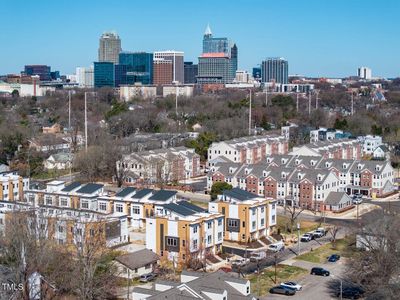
330	41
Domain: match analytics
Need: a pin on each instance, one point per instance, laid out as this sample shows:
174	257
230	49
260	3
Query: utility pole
176	103
129	284
316	100
298	238
352	103
297	102
86	131
69	111
309	103
250	114
275	255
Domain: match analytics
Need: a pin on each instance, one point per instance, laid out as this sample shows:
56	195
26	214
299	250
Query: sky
328	38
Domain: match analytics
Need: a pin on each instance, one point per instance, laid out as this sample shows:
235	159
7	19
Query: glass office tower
275	69
104	74
139	66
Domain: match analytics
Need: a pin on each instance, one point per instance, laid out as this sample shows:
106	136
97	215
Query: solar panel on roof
163	195
125	192
89	188
191	206
71	186
142	193
179	209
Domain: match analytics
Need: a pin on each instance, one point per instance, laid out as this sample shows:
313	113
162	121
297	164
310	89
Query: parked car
240	262
276	247
333	258
306	237
319	271
292	285
319	232
257	256
351	293
147	277
282	290
357	201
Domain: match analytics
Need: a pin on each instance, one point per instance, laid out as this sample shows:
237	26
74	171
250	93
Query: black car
320	272
282	290
334	258
351	293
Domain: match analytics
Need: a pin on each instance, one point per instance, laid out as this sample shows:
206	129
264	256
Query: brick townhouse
250	149
166	165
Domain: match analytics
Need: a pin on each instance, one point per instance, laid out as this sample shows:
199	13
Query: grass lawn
50	174
319	255
267	277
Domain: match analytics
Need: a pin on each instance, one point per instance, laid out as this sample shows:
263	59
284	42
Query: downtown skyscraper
275	69
109	47
219	61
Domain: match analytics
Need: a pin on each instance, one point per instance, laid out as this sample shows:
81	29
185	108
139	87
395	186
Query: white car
357	200
276	247
240	262
292	285
306	237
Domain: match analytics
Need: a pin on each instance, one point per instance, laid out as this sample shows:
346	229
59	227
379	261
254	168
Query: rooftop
90	188
162	195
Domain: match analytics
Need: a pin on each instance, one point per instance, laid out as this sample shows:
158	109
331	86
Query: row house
336	149
12	186
306	180
247	217
161	165
249	150
182	231
70	227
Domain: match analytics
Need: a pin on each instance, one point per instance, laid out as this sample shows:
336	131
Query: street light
341	285
298	238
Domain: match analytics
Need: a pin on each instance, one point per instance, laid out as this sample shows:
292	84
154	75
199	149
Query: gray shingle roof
137	259
335	198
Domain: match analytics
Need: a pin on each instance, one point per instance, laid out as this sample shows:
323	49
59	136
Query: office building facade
104	74
190	72
364	73
43	71
275	69
109	47
176	57
162	71
139	67
219	60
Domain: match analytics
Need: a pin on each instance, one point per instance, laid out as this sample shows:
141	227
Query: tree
294	213
15	94
201	144
377	268
340	124
218	187
334	231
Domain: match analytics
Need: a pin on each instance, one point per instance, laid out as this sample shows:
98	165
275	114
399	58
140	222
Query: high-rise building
162	71
109	47
275	69
177	63
364	73
191	71
120	75
242	76
139	66
104	74
257	73
219	61
43	71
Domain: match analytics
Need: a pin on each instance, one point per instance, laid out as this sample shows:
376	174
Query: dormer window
344	166
319	178
378	168
313	162
299	176
264	173
246	171
283	175
297	161
359	167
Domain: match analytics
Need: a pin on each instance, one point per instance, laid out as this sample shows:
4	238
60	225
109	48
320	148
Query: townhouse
247	217
306	181
249	150
161	165
182	231
337	149
12	186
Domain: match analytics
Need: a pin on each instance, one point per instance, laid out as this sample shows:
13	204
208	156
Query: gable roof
137	259
335	198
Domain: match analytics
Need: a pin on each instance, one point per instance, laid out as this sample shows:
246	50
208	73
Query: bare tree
294	213
334	231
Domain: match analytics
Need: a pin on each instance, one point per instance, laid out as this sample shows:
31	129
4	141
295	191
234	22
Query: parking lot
315	287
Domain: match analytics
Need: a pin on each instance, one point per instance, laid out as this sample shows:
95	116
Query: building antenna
250	114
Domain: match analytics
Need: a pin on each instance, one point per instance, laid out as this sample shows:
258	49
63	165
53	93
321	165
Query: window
262	209
219	222
244	224
79	231
253	212
253	225
209	239
63	202
119	208
219	236
92	232
49	200
194	244
85	204
136	210
194	229
183	243
102	206
209	225
262	222
60	229
172	242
